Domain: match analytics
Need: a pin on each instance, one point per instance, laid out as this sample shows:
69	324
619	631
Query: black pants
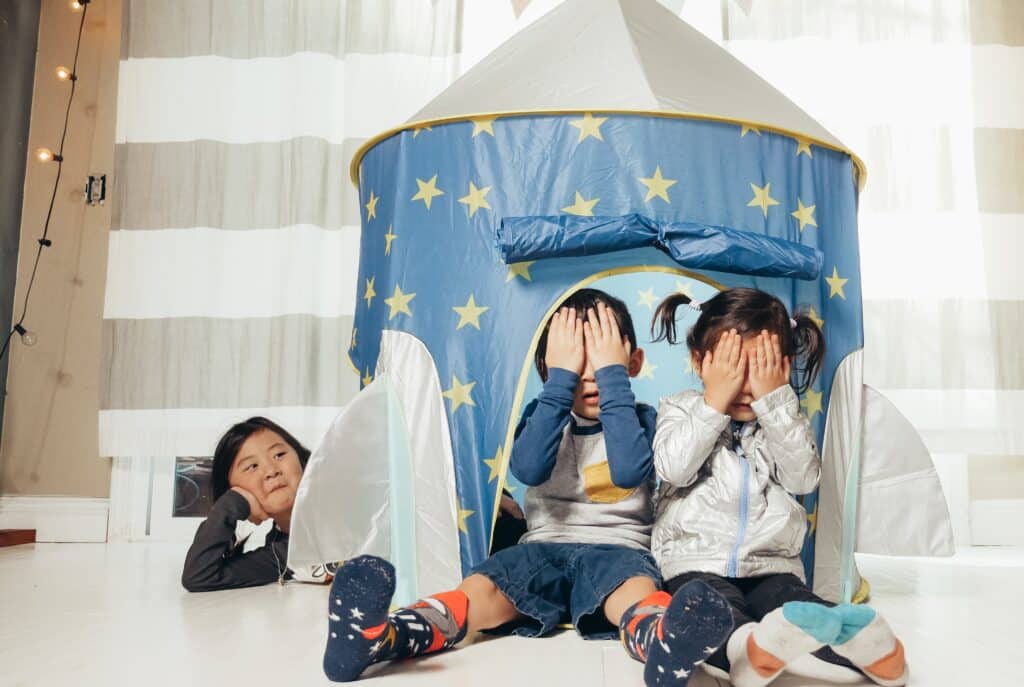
752	598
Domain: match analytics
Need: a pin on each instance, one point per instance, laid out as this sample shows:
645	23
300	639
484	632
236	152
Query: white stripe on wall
930	83
972	421
195	431
274	99
221	273
978	255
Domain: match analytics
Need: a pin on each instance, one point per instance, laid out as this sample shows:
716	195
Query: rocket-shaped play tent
607	141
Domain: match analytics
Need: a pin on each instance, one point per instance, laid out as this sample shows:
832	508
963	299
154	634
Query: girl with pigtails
731	458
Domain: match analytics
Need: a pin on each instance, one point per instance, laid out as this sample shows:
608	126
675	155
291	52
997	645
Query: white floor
94	614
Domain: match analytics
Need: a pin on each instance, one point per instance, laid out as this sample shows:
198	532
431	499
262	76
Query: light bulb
47	155
28	337
76	5
64	74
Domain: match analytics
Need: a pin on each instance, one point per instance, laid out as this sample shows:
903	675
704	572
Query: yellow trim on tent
860	173
524	374
863	594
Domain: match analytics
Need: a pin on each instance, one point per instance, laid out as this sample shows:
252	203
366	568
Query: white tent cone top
619	55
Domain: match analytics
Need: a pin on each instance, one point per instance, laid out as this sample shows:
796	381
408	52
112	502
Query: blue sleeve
540	430
628	431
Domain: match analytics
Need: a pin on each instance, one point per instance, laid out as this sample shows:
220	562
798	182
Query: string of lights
45	155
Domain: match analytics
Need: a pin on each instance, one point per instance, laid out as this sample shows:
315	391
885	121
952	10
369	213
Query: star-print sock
362	633
673	642
870	644
758	652
639	622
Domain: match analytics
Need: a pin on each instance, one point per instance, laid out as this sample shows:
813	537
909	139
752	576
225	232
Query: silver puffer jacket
725	503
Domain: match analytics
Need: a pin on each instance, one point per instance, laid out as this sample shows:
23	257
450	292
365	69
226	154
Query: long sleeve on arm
540	430
213	562
627	439
688	430
790	447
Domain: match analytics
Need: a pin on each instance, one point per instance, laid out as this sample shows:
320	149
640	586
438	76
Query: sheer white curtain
928	93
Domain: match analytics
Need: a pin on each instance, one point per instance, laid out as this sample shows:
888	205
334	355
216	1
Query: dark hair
748	311
583	300
231	443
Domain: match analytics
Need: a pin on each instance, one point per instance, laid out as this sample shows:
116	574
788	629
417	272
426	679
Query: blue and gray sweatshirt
590	482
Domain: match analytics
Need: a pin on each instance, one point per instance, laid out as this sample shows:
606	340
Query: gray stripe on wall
293	360
997	21
999	161
275	28
234	185
944	344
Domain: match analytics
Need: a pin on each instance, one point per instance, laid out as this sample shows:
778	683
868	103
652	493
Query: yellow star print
804	214
352	345
519	269
745	129
582	207
428	191
370	293
469	313
460	394
589	126
647	298
762	198
371	206
685	289
483	124
417	129
835	284
476	198
399	302
812	520
389	237
494	465
647	370
813	314
657	186
367	378
463	514
811	403
803	145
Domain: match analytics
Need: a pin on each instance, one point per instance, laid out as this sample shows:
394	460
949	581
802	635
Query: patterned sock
696	622
869	643
362	633
759	651
639	622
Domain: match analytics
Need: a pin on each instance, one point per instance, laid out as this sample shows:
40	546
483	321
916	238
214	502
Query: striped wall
234	243
928	92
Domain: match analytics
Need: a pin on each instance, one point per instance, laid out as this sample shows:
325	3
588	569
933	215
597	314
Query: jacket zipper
741	532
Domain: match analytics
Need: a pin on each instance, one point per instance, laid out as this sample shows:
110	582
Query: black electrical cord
43	241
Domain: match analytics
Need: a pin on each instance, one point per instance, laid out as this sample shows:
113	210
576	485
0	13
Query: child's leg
362	632
741	613
868	641
772	591
671	634
787	630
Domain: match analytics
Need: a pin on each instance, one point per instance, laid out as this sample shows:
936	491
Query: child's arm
688	430
627	442
540	430
789	449
210	563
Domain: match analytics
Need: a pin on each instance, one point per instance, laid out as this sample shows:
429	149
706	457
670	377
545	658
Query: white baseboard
997	522
56	518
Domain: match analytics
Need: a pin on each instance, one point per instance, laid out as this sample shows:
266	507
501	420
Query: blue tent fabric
691	245
434	200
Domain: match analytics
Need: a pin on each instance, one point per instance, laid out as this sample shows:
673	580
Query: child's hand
565	342
723	371
605	345
256	512
769	369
